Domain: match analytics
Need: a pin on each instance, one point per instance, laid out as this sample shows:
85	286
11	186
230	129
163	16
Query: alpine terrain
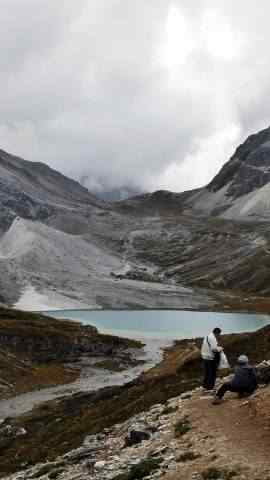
207	248
62	247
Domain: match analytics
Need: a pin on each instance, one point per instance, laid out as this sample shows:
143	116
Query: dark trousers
210	373
228	387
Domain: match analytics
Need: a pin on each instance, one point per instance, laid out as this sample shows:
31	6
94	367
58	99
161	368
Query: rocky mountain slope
59	240
35	191
42	182
215	237
207	248
241	189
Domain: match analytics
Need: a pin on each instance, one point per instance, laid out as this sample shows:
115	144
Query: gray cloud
152	93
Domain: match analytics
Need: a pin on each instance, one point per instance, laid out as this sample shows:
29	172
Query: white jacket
210	346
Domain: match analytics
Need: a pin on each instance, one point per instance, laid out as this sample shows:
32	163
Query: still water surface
169	324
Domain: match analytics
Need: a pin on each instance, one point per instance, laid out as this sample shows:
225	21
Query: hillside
38	351
42	183
75	433
35	191
241	189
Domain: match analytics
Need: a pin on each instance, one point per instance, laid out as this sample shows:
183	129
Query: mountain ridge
35	191
164	249
13	166
242	179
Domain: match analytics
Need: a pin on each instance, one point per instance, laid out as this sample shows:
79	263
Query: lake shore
54	380
37	351
88	374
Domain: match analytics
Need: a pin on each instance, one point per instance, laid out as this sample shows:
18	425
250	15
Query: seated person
244	381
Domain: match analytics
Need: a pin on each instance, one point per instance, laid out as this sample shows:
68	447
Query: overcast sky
147	93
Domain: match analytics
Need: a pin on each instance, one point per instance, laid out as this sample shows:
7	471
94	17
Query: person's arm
213	344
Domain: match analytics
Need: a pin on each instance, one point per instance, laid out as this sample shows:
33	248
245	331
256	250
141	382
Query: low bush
181	427
141	470
213	473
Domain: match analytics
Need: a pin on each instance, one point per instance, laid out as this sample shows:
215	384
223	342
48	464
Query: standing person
244	381
210	353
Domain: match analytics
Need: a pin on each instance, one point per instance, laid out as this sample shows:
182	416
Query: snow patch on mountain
32	300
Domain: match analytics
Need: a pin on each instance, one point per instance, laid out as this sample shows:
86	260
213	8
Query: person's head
242	360
217	331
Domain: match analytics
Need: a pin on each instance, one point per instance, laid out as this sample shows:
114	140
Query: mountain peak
43	183
248	169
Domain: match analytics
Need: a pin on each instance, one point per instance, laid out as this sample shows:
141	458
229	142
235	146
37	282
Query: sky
146	94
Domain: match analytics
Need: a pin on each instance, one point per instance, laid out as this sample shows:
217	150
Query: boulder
135	436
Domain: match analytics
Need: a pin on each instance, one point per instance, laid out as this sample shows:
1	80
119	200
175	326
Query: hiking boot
217	401
208	392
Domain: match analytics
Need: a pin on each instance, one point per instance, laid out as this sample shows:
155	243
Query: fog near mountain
116	194
145	95
207	248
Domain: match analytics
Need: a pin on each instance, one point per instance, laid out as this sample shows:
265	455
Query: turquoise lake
161	324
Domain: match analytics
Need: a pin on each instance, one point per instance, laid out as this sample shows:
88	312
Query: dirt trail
231	437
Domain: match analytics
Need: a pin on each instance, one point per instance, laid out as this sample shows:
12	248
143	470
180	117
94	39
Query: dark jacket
245	378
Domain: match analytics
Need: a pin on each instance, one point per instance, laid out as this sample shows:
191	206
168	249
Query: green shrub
213	473
188	456
141	470
55	473
168	410
181	427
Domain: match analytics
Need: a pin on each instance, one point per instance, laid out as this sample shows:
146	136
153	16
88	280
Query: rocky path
187	438
232	439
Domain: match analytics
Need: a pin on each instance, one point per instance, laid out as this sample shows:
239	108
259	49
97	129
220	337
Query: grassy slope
57	427
23	334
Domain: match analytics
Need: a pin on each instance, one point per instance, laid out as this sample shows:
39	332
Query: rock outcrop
248	169
241	189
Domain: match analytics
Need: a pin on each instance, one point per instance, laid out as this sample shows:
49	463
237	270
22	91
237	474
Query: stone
159	451
186	396
136	436
100	465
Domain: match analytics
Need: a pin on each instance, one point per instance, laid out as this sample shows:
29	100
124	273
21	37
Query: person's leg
226	387
206	374
215	364
209	375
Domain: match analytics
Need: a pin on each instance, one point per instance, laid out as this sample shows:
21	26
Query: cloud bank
147	94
